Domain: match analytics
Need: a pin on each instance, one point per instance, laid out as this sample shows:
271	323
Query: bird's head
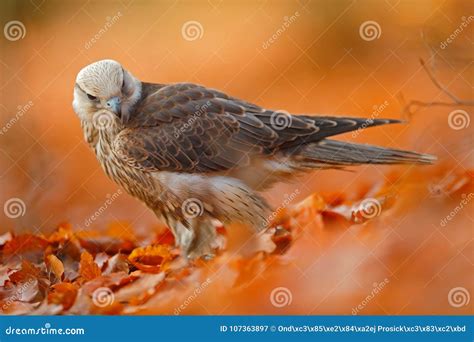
105	86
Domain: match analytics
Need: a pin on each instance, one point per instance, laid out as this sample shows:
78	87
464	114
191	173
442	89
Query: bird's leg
205	238
183	236
196	238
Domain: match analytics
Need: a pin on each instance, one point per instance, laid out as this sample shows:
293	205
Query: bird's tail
333	153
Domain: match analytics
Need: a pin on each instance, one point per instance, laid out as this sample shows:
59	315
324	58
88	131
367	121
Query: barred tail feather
339	153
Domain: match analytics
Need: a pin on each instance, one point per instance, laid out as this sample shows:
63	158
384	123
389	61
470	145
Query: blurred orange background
319	63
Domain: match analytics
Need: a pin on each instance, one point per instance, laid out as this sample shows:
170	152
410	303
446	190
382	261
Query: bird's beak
113	104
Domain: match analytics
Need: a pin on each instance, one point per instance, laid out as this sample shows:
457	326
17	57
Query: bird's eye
92	98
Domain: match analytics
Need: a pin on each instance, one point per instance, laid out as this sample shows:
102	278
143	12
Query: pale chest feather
148	187
136	182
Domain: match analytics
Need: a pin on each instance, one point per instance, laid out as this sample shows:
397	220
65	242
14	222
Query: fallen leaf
142	289
64	232
63	294
151	259
88	269
121	230
55	266
69	253
31	283
282	238
106	244
28	271
25	246
117	263
101	259
4	238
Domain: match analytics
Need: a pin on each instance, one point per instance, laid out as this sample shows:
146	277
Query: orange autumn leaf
151	258
121	230
282	238
4	238
24	244
453	182
106	244
63	294
27	272
148	289
88	269
55	266
63	232
164	237
306	210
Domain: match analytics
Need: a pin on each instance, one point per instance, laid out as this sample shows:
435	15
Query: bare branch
413	105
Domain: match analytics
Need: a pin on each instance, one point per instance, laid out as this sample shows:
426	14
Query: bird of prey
195	155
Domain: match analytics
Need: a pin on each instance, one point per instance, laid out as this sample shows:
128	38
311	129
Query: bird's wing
189	128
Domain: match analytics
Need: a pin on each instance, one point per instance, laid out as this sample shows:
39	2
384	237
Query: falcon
197	156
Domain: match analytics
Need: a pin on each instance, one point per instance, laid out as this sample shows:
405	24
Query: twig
456	101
